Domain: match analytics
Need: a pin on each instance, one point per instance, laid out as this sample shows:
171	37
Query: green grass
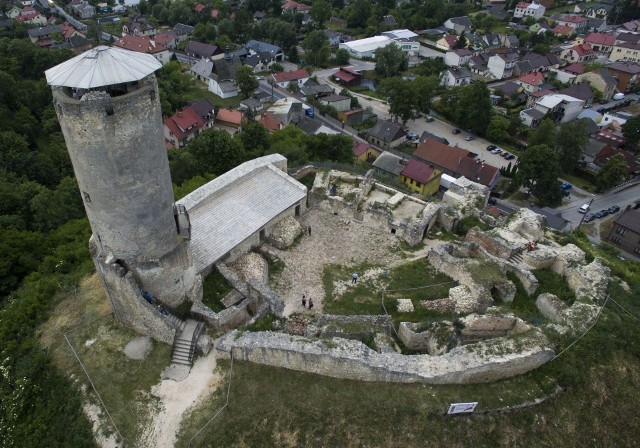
523	305
416	278
214	288
579	182
199	91
552	283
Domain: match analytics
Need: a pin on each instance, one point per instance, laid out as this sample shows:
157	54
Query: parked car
618	96
259	78
469	138
491	147
429	119
496	151
566	186
603	213
598	214
613	209
589	218
510	157
456	131
418	115
505	154
603	102
584	208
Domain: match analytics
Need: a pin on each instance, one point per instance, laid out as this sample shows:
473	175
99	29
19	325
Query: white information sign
462	408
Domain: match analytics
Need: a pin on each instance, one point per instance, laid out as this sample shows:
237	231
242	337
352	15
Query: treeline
44	250
215	152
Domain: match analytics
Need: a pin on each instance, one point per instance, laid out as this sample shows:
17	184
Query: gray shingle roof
630	219
236	205
182	30
390	163
203	68
263	47
386	131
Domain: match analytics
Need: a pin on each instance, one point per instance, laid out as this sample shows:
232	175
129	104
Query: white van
584	208
618	96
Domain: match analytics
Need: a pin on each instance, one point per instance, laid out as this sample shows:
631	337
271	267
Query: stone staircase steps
516	258
184	346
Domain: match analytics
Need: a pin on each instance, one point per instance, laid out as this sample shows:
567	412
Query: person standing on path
310	303
309	230
354	278
304	300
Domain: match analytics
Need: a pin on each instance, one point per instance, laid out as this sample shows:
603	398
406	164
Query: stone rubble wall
350	327
478	327
128	305
341	358
225	320
285	233
434	339
551	307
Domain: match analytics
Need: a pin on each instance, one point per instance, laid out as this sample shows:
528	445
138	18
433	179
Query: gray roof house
458	25
581	91
386	134
84	10
389	165
202	50
257	46
182	32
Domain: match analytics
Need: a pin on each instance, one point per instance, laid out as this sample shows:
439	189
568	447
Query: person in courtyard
354	278
310	303
309	229
304	300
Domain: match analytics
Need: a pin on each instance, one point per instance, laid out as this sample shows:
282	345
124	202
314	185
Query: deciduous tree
246	80
612	173
631	131
320	12
390	61
545	134
538	170
571	141
316	47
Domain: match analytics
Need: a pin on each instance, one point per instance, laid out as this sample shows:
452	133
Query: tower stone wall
115	139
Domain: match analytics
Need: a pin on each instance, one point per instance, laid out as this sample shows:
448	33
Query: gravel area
250	266
333	240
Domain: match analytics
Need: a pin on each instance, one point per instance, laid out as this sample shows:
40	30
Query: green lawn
214	288
199	91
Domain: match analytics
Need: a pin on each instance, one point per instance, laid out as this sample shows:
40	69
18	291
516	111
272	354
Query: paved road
76	23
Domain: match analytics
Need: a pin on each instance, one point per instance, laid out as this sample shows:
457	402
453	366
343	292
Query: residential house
456	58
259	16
581	91
205	111
270	122
389	21
457	162
77	44
531	117
577	23
405	39
258	47
458	25
534	62
492	40
293	6
534	97
627	75
167	39
139	28
455	76
591	150
313	126
534	10
479	65
510	41
253	104
574	69
341	103
531	82
509	89
560	108
144	44
182	32
69	31
84	10
562	75
389	165
363	152
287	110
13	12
617	118
203	51
333	36
229	120
601	43
596	25
219	75
182	126
30	16
386	134
625	232
563	31
633	166
627	38
628	52
581	53
215	13
199	8
447	42
600	80
608	134
298	77
501	65
632	25
315	90
420	177
43	35
598	10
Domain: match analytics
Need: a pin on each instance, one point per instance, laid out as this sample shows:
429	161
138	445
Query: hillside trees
612	173
631	131
468	106
390	61
538	170
320	12
316	48
246	81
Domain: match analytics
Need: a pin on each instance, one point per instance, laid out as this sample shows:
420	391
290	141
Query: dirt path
333	240
176	398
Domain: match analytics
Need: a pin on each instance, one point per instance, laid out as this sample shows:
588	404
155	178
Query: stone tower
108	106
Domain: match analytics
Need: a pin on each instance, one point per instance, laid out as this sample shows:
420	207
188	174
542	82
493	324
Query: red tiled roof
418	171
214	13
229	116
67	30
600	39
165	37
573	19
523	5
625	67
343	76
141	44
291	76
583	49
450	39
184	123
541	93
360	148
607	152
28	17
576	69
290	5
535	79
562	29
199	8
456	160
269	121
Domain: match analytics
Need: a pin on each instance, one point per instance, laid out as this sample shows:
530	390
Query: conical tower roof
102	66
